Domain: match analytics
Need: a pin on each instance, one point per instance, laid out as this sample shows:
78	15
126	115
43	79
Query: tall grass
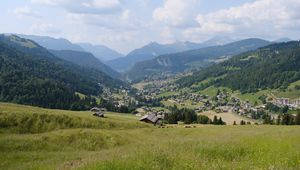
56	139
26	119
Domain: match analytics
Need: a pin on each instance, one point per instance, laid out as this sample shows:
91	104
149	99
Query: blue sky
127	24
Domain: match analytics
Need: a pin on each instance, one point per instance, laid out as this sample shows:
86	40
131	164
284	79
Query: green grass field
35	138
212	90
252	97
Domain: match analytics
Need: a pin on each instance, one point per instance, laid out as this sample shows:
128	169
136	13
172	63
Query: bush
202	119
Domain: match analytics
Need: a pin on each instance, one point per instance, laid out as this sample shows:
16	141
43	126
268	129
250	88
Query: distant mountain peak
283	39
219	40
101	52
53	43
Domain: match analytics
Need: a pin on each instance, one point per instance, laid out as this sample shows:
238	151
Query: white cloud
103	3
48	2
177	12
124	21
25	11
84	6
262	18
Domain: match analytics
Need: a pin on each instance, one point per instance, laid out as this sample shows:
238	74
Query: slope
101	52
32	75
155	49
85	59
273	66
194	59
53	43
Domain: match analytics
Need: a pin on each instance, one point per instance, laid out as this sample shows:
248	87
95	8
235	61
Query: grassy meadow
35	138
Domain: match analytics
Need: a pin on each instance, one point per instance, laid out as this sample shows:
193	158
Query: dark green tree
297	118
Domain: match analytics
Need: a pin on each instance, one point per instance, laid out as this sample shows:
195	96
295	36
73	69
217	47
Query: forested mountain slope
53	43
29	74
85	59
273	66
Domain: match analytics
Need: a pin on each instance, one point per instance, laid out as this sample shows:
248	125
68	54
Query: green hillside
29	74
85	59
36	138
272	67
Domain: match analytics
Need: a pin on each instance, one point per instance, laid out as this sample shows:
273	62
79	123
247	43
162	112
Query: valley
65	109
150	85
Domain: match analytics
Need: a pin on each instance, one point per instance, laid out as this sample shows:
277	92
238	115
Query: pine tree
220	121
242	122
297	118
215	120
278	120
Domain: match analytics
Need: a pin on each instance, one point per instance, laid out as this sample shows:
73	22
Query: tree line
189	116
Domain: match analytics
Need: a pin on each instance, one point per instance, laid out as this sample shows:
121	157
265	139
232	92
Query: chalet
151	118
282	101
296	103
99	114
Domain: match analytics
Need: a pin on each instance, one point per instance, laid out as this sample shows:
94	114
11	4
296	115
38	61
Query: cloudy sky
128	24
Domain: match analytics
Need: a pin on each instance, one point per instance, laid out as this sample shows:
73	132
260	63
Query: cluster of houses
155	88
287	102
121	99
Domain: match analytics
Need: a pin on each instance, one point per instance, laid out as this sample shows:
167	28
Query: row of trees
112	106
189	116
283	119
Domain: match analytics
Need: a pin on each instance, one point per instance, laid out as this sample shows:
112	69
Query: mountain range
52	43
101	52
155	49
192	59
77	53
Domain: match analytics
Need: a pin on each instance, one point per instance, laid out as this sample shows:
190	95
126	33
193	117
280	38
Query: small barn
151	118
99	114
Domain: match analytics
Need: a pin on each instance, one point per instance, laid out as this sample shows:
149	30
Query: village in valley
153	100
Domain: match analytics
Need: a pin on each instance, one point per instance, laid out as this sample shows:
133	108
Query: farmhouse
99	114
282	101
151	118
296	103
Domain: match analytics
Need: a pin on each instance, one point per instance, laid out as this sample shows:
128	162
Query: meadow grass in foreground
128	144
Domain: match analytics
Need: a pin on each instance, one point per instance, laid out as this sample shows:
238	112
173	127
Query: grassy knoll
252	97
212	90
26	119
128	144
291	92
187	104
